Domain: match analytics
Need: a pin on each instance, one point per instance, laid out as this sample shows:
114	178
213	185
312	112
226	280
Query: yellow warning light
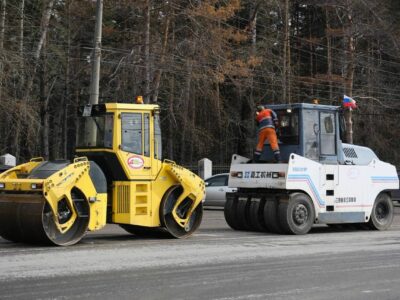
139	99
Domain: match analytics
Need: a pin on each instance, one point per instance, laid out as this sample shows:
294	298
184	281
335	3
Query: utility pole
91	130
96	55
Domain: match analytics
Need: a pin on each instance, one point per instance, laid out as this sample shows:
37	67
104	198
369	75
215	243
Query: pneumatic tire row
292	214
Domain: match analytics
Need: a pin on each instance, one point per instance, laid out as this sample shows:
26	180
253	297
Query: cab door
216	188
327	135
328	157
310	134
135	144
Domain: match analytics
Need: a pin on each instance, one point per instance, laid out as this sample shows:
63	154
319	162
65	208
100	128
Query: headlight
36	186
2	185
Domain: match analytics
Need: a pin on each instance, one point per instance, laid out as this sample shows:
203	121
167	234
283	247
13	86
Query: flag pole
348	104
349	125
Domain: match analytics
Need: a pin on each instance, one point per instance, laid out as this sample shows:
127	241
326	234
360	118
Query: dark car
4	168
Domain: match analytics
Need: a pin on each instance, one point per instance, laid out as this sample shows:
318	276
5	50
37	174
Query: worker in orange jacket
266	120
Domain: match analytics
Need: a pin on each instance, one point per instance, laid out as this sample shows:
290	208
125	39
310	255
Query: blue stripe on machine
384	178
307	178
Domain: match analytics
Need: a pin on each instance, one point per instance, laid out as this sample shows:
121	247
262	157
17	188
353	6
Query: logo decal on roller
135	162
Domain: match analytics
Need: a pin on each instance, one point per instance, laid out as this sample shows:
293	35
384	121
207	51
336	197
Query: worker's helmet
260	107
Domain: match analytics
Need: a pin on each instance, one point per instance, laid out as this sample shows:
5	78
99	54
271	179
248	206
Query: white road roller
320	179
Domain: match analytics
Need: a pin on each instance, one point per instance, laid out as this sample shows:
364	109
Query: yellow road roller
117	177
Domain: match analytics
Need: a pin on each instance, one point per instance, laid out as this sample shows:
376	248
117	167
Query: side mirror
206	183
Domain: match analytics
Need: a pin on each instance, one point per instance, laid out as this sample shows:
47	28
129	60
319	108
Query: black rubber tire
297	215
382	213
230	212
256	213
271	218
243	214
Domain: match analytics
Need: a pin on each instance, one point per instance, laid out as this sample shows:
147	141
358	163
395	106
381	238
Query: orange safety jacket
266	119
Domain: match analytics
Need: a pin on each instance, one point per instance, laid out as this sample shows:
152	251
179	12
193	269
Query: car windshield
217	181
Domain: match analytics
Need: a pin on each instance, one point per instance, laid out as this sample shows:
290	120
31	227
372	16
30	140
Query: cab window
147	134
288	128
328	136
157	137
132	133
101	127
311	131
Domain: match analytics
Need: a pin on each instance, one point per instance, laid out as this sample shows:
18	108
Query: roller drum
167	219
28	218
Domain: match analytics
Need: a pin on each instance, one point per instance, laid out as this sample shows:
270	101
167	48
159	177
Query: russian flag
349	102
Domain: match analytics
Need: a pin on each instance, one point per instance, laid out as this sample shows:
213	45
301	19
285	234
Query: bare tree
2	36
21	34
350	70
158	73
286	54
43	33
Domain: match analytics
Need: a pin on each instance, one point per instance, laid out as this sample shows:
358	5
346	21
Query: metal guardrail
221	169
217	169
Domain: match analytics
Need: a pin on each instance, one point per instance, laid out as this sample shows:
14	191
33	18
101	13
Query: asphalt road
215	263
